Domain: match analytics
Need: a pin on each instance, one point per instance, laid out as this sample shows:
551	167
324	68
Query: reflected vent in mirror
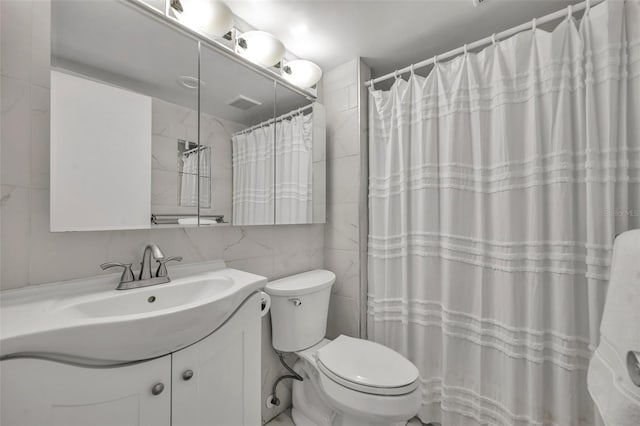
243	102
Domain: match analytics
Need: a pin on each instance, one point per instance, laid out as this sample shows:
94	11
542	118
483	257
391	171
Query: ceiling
147	56
386	34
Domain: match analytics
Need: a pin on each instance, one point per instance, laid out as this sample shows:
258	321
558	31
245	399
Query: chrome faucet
145	278
145	271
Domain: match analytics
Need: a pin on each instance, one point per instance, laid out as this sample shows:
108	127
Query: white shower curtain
253	197
497	185
294	167
189	179
253	173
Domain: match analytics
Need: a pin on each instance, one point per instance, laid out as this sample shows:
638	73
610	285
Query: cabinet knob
187	375
157	389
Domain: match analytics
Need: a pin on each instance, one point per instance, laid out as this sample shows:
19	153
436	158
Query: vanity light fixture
214	19
301	72
260	47
211	17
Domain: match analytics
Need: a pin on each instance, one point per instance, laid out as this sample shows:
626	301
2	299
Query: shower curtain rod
192	150
586	6
271	120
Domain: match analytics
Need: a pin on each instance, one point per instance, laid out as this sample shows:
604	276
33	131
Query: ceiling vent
243	102
477	3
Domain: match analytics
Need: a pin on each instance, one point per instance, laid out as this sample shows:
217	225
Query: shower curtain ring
588	8
493	39
465	49
412	69
395	74
569	12
534	24
435	60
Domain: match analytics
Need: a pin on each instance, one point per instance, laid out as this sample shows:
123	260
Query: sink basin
90	322
153	299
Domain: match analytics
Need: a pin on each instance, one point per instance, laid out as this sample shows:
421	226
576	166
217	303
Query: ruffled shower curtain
253	173
189	179
294	161
497	186
252	159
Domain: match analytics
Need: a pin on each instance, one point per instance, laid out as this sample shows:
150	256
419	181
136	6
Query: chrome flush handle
296	302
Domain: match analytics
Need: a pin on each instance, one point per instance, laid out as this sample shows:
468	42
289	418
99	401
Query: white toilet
347	381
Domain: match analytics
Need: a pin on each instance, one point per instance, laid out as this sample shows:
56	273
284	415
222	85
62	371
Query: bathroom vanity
154	126
182	353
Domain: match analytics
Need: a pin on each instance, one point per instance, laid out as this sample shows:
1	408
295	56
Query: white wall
30	254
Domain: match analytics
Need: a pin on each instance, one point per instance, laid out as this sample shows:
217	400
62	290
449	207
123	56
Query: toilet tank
299	308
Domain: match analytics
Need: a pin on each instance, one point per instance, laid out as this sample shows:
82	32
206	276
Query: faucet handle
162	265
127	273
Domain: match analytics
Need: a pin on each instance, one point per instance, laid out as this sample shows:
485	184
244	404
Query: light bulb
260	48
302	73
211	17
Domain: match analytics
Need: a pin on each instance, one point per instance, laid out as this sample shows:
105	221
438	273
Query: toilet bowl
347	381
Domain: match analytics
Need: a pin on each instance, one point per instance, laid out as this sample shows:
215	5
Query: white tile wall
346	227
363	115
342	229
30	254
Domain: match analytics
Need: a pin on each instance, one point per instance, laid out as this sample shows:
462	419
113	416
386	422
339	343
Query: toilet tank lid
304	283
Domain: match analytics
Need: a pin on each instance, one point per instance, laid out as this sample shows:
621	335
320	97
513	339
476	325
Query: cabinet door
47	393
224	389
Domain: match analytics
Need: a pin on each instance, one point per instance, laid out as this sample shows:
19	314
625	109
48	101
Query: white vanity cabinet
215	381
47	393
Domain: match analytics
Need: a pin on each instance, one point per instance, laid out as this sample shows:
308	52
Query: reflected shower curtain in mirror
294	161
253	198
189	179
497	186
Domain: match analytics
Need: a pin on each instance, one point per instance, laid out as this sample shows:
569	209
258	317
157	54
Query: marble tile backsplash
30	254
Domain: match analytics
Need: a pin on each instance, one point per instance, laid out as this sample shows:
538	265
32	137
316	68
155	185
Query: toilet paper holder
633	367
265	303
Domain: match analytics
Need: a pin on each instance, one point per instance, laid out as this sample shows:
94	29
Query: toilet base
311	407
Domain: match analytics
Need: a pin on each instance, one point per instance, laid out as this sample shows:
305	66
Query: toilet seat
367	367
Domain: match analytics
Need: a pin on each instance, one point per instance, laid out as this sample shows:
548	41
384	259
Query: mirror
236	107
151	127
124	102
300	159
